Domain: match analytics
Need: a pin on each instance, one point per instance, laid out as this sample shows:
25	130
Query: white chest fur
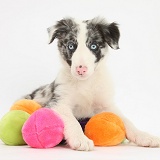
87	97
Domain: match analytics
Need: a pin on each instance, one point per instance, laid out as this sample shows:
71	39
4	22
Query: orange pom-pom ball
26	105
105	129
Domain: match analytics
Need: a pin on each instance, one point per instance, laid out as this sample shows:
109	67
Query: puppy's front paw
144	139
81	143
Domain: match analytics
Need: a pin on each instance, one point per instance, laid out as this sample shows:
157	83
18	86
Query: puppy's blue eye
93	47
71	46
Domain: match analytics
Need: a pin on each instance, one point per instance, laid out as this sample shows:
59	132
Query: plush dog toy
105	129
26	105
10	127
44	128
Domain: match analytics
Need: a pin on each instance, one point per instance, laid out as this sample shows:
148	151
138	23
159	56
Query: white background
27	61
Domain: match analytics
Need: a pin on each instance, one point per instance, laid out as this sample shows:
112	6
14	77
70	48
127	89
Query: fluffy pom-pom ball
44	129
105	129
26	105
11	125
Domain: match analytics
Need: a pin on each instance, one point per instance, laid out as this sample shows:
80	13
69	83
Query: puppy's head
83	45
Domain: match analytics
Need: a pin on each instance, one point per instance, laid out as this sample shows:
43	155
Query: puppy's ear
52	34
110	33
60	30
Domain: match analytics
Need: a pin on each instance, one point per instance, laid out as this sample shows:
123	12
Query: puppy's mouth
81	77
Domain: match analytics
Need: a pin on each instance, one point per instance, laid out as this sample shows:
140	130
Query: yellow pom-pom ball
105	129
26	105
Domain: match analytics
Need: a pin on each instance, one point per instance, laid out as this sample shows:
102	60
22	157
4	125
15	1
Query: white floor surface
121	152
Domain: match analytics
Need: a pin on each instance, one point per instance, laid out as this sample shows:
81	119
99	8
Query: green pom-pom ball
11	125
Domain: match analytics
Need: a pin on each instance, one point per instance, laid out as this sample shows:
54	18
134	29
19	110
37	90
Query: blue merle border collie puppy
83	86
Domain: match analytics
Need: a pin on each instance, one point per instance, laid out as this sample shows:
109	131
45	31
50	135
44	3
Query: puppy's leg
72	130
134	135
139	137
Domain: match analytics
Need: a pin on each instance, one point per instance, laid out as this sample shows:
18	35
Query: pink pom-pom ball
43	129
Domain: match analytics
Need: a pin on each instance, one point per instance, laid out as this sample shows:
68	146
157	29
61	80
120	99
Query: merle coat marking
83	86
